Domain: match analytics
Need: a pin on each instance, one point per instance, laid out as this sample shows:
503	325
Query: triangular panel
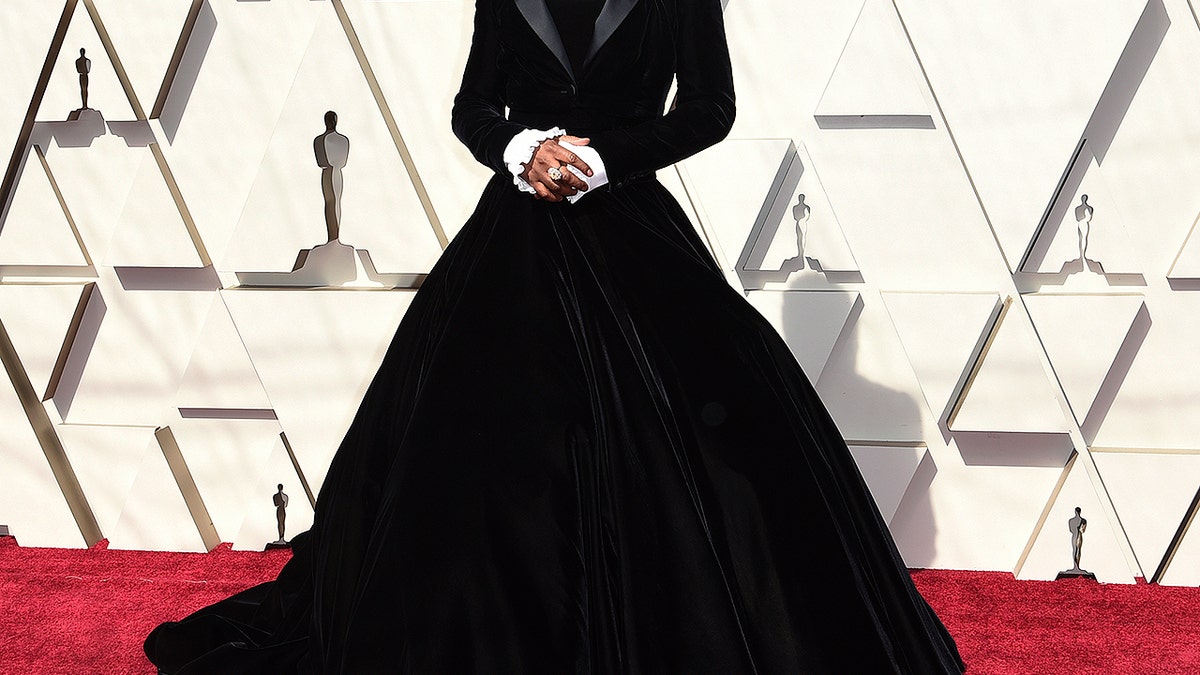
155	516
285	210
126	370
888	471
316	352
1083	335
941	333
734	202
31	502
94	171
151	231
774	222
20	19
1151	493
867	384
144	34
39	318
1010	391
220	375
218	127
226	459
260	525
808	244
1020	98
810	322
874	83
38	228
1051	552
105	93
1086	232
420	90
107	461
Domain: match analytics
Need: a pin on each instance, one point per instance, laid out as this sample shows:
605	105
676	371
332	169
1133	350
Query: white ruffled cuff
592	158
520	150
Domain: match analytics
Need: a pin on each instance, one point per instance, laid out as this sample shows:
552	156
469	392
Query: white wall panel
943	335
875	82
1151	162
316	352
155	517
38	229
773	223
130	362
26	29
284	211
31	503
228	462
889	471
38	318
1052	549
220	375
1018	85
259	525
151	231
867	383
976	515
227	101
1157	405
812	323
1009	391
144	34
740	205
94	171
907	209
806	41
1090	236
1151	517
1084	336
105	92
107	461
419	91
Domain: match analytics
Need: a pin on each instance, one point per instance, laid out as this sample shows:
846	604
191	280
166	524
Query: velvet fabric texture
584	452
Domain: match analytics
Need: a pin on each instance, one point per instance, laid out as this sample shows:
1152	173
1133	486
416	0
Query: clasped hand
550	155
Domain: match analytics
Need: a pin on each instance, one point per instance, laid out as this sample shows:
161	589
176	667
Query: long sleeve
705	106
477	117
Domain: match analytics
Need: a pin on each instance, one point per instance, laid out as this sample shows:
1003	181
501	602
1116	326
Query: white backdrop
995	351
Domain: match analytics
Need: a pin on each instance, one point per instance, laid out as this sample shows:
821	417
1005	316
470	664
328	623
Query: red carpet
1071	626
69	611
87	611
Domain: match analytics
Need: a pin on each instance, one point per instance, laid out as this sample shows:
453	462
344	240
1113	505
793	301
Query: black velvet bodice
576	21
519	75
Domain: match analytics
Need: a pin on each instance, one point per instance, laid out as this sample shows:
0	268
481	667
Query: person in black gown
583	451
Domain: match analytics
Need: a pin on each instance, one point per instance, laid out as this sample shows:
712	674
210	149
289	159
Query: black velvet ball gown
584	452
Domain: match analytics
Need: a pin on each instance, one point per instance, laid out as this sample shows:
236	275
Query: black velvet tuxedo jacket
518	61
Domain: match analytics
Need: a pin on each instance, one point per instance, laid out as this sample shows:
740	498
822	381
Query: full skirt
583	452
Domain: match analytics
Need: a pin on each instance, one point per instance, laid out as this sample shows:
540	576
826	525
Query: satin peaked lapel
538	16
610	19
